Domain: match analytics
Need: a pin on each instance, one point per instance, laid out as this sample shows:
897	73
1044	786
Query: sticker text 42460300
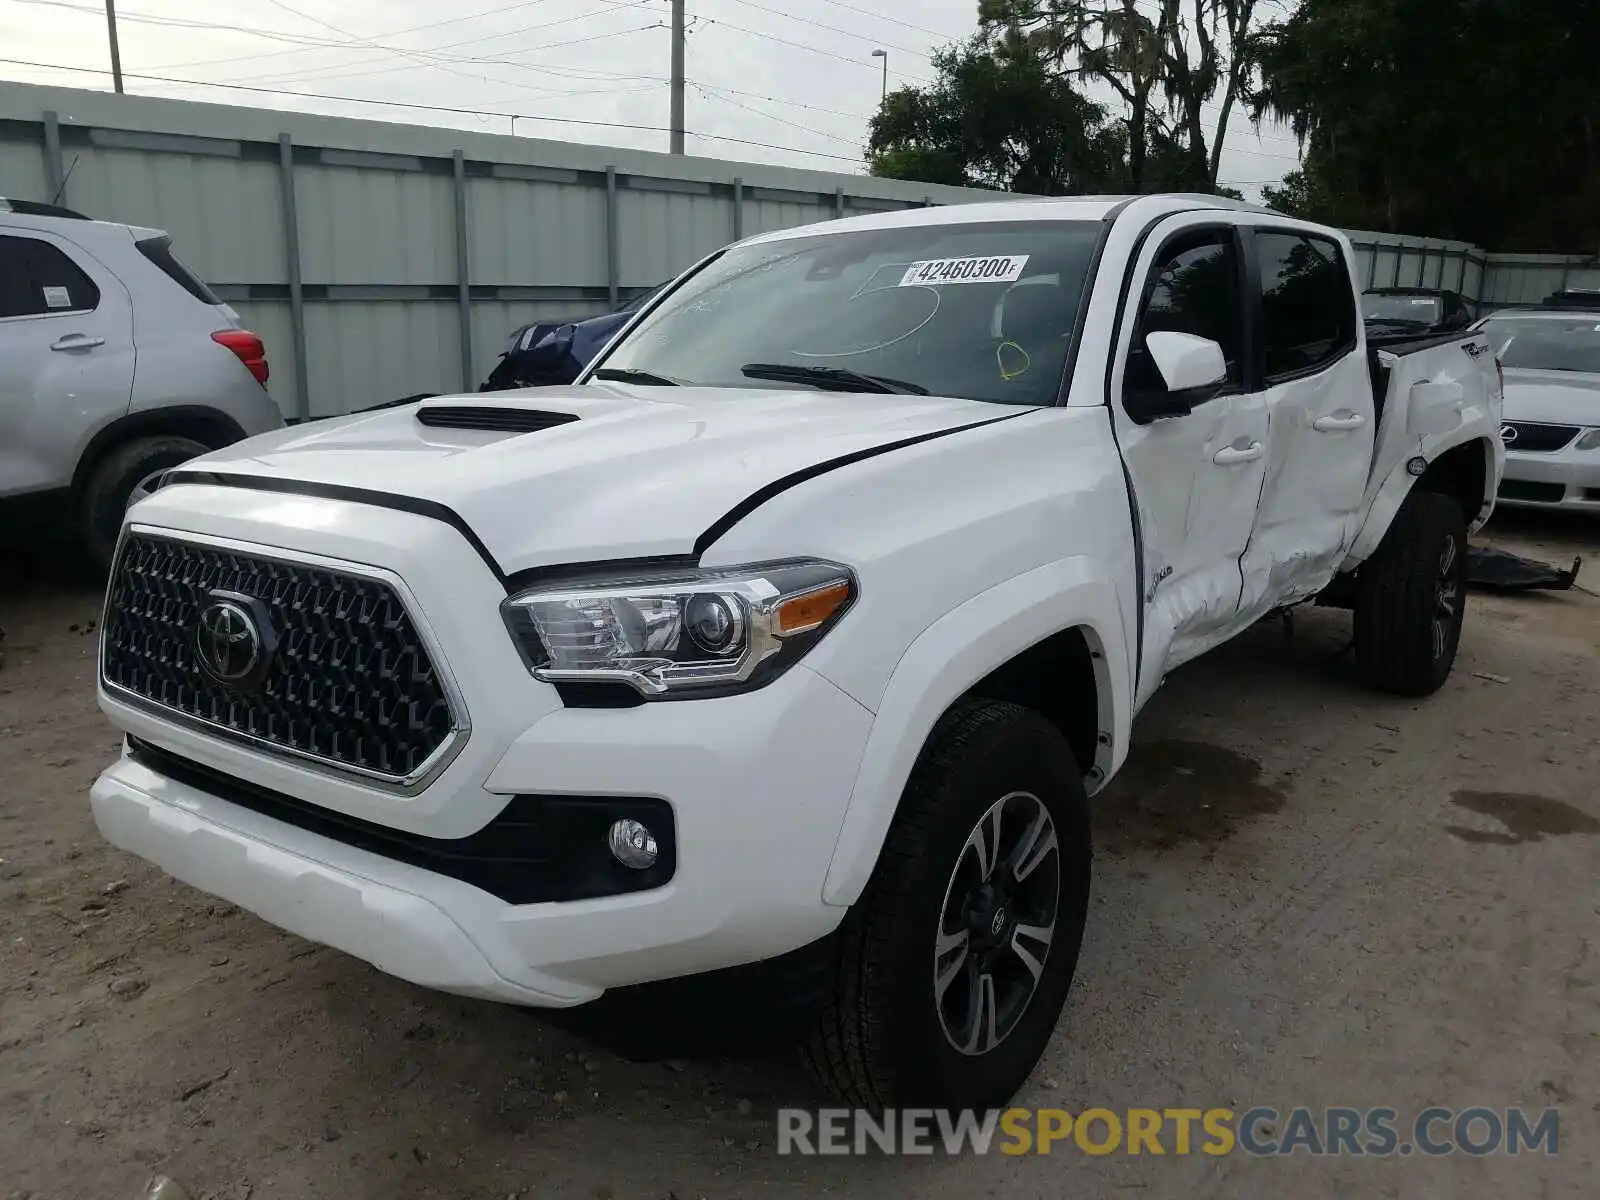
991	268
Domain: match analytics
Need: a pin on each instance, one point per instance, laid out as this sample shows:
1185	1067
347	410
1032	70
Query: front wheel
1411	598
122	478
954	965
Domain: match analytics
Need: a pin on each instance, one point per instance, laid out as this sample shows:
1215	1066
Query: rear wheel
124	476
1411	597
954	965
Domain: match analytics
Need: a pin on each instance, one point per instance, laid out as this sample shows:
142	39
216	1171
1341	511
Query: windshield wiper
628	375
832	379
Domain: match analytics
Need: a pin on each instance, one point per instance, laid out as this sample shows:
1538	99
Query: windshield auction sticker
994	268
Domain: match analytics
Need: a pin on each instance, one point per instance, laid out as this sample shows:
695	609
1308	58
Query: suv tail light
249	348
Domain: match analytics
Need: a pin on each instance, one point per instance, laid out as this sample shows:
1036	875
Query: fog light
632	844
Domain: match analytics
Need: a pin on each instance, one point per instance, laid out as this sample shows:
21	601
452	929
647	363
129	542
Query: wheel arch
1463	472
1003	644
211	427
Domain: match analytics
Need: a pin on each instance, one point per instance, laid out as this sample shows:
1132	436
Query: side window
1194	288
37	279
1308	314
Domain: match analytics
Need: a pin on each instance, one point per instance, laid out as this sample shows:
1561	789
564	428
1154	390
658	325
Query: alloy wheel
996	923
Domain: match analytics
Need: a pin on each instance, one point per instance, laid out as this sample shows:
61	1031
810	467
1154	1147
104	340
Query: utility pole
116	55
677	77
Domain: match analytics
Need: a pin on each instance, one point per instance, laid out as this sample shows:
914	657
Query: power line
892	20
833	29
441	108
832	112
488	12
318	74
773	116
424	57
771	37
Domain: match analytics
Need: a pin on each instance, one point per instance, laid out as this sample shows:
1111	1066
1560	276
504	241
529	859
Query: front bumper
1566	479
758	785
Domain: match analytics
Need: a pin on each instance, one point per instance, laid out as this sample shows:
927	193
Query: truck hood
1554	397
631	472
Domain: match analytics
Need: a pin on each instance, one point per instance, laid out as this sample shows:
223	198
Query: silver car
116	364
1551	360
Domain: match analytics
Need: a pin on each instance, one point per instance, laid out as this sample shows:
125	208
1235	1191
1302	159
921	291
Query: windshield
1547	343
979	311
1411	310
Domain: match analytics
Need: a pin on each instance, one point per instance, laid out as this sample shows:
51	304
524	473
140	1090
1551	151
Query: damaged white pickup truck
759	681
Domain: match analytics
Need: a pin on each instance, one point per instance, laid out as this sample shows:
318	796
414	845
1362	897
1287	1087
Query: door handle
77	341
1231	455
1339	424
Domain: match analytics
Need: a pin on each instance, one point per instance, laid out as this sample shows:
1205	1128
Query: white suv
116	363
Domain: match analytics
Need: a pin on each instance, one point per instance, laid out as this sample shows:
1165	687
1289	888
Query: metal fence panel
364	352
526	232
1529	278
222	212
22	165
662	233
362	226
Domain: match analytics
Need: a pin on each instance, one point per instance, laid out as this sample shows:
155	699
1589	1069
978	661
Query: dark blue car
554	352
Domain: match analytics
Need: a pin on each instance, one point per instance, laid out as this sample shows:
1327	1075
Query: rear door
1320	416
1196	478
66	357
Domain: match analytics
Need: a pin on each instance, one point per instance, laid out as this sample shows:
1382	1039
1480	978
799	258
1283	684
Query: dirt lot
1306	896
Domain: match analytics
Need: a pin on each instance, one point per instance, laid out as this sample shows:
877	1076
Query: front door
1196	478
1320	415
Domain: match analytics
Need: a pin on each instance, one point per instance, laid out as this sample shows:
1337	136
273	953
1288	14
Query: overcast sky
795	75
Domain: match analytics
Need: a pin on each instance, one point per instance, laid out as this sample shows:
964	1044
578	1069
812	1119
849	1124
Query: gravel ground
1306	895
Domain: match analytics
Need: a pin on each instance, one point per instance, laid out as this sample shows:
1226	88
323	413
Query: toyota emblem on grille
228	641
1508	434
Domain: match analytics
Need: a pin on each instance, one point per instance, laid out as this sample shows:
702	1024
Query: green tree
997	116
1167	63
1470	119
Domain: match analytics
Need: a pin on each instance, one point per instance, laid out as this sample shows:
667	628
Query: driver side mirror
1193	368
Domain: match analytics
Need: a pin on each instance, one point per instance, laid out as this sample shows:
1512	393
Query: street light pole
116	55
883	54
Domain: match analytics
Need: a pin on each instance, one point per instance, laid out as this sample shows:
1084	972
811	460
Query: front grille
1538	438
1523	489
343	675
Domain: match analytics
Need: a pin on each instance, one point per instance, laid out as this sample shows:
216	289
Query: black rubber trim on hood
759	497
338	491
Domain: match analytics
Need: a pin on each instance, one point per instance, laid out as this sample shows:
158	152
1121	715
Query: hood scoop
493	417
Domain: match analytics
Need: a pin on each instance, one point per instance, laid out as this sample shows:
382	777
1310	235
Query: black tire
1411	598
106	496
881	1039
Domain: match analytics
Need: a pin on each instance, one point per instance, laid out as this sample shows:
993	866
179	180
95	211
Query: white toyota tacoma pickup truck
759	681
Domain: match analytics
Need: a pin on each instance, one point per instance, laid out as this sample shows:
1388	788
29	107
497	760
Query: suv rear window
159	252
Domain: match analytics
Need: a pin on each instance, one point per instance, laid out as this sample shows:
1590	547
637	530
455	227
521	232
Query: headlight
684	633
1590	440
